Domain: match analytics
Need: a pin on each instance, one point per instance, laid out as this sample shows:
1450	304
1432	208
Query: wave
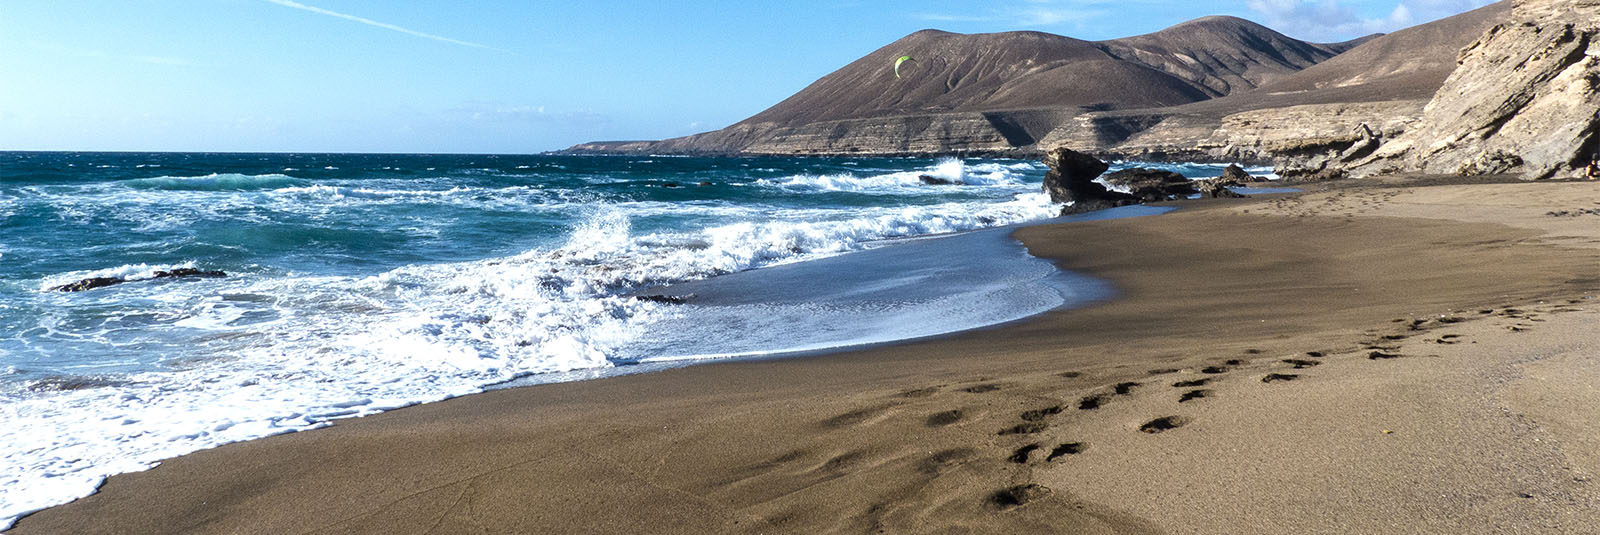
216	182
952	170
275	354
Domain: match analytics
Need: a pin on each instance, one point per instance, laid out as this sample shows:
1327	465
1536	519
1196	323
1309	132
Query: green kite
900	61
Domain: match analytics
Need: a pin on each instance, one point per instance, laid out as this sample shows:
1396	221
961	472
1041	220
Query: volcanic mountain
1008	92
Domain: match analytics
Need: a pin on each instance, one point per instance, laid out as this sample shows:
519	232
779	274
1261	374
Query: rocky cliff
1525	100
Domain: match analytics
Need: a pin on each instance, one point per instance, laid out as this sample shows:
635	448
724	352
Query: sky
501	76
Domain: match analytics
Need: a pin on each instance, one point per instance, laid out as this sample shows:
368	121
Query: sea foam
272	350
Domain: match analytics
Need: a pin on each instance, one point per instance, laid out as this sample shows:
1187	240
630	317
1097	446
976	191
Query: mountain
951	72
1015	92
1410	63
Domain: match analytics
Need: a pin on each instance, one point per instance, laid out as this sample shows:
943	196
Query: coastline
908	437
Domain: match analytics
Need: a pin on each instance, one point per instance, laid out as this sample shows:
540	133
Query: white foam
273	354
949	169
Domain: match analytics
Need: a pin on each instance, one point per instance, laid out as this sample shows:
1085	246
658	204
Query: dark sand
1270	311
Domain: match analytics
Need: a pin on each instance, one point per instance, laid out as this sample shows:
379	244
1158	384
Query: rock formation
1152	185
101	282
1071	180
1525	100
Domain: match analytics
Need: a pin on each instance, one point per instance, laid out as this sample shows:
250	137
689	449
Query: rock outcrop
1152	185
1070	180
101	282
1525	100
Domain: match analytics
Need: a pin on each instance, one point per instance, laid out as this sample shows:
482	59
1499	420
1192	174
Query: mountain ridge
1004	93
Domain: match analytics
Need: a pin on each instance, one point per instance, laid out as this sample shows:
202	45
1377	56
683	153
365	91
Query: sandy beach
1387	356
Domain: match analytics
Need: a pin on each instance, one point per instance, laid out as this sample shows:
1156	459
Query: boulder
1236	175
931	180
1152	185
1217	188
1071	180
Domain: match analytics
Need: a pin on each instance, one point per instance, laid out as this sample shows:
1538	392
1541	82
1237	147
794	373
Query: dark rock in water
704	184
1071	180
1234	173
1217	188
189	272
1152	185
1071	175
101	282
936	181
668	299
88	284
670	185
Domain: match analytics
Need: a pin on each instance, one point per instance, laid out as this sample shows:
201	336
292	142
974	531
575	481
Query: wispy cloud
524	114
384	25
91	53
1330	20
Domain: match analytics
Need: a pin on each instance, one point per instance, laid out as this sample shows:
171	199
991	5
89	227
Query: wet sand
1368	358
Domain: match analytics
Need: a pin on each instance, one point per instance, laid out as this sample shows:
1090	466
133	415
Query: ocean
357	283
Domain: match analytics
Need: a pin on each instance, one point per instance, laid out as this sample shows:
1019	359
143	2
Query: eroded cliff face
1524	100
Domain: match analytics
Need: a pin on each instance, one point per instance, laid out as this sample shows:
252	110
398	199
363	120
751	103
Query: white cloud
504	113
1032	14
1328	20
384	25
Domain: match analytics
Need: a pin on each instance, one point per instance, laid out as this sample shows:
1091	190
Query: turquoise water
359	283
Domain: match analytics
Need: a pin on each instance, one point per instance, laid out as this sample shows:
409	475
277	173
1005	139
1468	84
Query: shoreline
911	436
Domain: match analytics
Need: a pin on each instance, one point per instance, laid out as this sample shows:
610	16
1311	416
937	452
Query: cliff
1524	100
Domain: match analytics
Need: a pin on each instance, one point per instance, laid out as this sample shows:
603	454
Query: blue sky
499	76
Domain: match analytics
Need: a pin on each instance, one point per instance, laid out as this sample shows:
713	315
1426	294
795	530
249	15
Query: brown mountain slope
956	72
1222	55
1190	62
1015	92
1410	63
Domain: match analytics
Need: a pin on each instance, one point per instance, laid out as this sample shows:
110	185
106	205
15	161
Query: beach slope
1378	357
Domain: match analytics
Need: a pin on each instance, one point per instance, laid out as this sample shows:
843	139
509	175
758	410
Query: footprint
1234	362
1070	448
983	388
1191	383
943	460
920	392
1214	369
1193	395
1021	455
1315	354
1272	377
1300	364
1379	355
854	417
1163	371
945	418
1164	423
1020	495
1040	414
1024	429
1123	389
1091	402
1070	375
